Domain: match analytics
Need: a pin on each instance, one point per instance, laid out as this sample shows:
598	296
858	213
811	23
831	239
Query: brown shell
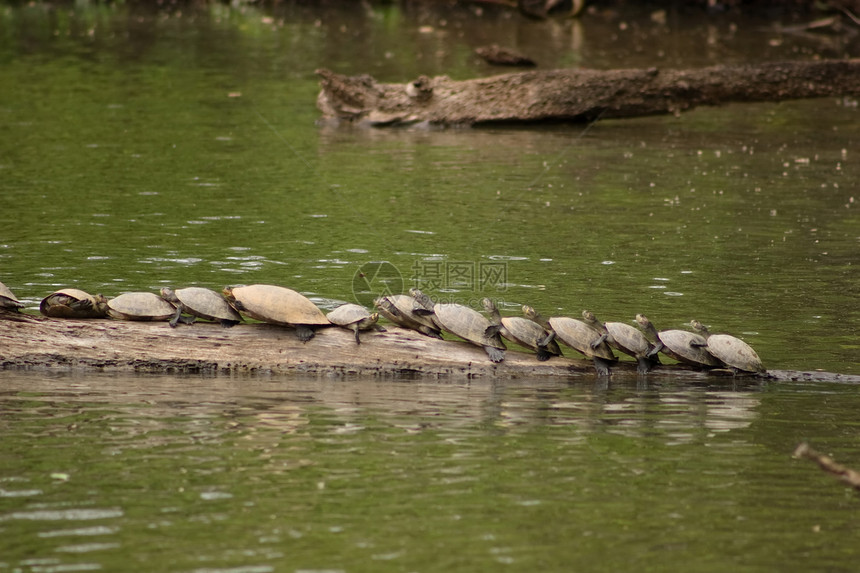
348	314
59	304
8	299
206	304
275	304
627	339
466	323
579	336
527	333
734	352
679	344
140	306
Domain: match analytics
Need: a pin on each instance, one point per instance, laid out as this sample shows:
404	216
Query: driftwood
36	342
577	94
826	463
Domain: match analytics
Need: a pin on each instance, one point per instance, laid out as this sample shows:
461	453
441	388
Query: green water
141	149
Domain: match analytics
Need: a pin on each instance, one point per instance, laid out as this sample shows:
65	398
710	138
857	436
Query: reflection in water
314	473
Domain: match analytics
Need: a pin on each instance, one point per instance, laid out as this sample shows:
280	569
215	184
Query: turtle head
167	293
488	305
643	322
589	317
699	327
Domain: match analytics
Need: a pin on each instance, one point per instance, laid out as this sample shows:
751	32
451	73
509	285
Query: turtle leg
304	332
227	323
653	352
543	354
492	330
495	354
187	319
379	328
83	305
431	332
601	365
599	341
355	329
644	366
549	338
175	320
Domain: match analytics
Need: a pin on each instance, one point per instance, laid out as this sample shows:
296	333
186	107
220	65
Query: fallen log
31	342
577	95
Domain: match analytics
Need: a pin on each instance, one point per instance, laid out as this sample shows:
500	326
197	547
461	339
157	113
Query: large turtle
73	303
400	309
140	306
520	331
202	303
465	322
626	338
578	336
732	351
682	345
9	301
277	305
354	317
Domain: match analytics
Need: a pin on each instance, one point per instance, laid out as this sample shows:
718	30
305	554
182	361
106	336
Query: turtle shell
687	347
275	304
527	333
626	338
8	299
73	303
206	304
466	323
398	308
734	352
579	336
140	306
349	314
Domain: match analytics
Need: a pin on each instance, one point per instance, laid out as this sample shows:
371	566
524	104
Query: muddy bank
35	342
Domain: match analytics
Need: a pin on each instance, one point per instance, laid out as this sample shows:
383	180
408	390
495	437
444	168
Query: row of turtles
417	311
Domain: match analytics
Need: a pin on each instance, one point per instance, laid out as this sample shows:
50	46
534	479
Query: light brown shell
627	339
677	345
527	333
56	304
734	352
8	299
206	304
579	336
349	314
276	305
140	306
466	323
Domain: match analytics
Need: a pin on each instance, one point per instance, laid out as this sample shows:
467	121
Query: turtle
277	305
140	306
354	317
424	306
9	301
578	336
400	309
625	338
682	345
520	331
202	303
73	303
465	322
732	351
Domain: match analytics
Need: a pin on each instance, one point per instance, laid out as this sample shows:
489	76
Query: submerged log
845	474
35	342
578	95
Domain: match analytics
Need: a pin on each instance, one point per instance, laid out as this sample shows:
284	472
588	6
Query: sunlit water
147	149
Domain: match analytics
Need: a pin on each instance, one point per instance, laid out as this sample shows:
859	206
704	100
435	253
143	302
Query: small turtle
9	301
578	336
277	305
73	303
683	346
140	306
354	317
520	331
625	338
465	322
400	309
202	303
734	352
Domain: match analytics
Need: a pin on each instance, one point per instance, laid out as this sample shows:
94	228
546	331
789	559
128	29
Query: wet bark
578	95
846	475
35	342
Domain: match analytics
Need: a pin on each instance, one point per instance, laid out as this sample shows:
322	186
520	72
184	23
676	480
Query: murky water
257	474
146	149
